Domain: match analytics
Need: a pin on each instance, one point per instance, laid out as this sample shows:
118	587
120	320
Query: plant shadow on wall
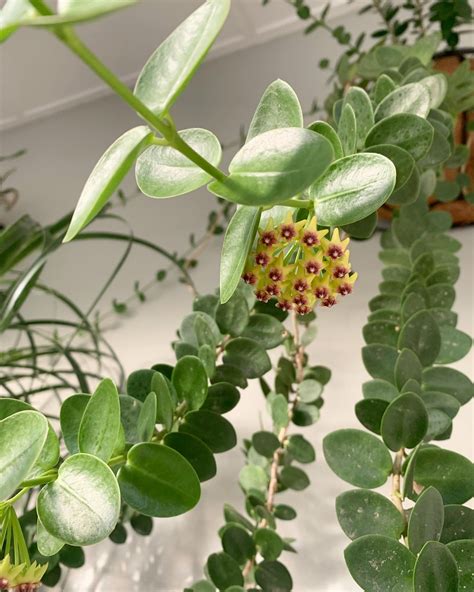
301	192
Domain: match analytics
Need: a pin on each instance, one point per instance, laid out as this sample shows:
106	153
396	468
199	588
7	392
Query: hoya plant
300	192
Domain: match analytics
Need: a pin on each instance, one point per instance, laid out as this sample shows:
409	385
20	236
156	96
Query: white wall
61	152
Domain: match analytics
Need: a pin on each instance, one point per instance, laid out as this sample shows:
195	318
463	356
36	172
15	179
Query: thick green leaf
370	412
410	132
455	345
164	402
448	380
49	455
158	481
441	296
300	449
440	149
147	418
361	512
380	360
411	98
446	403
82	506
437	86
190	381
195	452
450	473
360	102
106	176
173	64
47	544
71	414
265	443
275	166
237	543
352	188
211	428
422	335
273	576
379	564
294	478
309	390
362	228
426	520
238	240
408	367
402	160
458	523
253	478
265	330
379	389
222	397
73	557
347	130
405	422
162	171
232	317
326	130
436	569
357	457
278	107
385	332
22	437
191	331
383	87
463	553
269	543
100	423
224	571
247	355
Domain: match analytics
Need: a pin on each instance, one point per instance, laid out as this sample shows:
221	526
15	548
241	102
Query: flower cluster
20	578
299	265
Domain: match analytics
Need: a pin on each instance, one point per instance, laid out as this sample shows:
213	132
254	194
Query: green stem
166	129
117	460
41	480
297	203
16	497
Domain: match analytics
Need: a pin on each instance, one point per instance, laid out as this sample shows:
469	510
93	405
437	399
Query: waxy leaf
49	455
224	571
410	132
422	335
294	478
237	543
265	330
278	107
71	414
463	553
379	564
436	569
195	452
426	520
106	177
410	98
357	457
455	345
275	166
402	160
273	575
190	381
300	449
379	389
360	102
379	361
147	418
450	473
458	523
347	130
82	506
22	437
221	398
232	317
408	367
238	240
437	86
100	423
215	431
405	422
352	188
158	481
173	64
253	478
448	380
361	512
247	355
47	544
370	412
162	171
164	402
326	130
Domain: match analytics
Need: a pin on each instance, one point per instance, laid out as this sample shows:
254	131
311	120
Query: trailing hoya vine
301	192
251	546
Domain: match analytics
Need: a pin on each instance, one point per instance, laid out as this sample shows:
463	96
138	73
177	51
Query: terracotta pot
461	211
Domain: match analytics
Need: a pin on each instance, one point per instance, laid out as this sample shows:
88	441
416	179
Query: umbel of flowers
299	265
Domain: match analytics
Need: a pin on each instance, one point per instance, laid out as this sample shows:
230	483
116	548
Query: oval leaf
405	422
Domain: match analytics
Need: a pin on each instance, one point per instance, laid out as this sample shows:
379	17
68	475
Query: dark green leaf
370	412
222	397
248	356
190	381
211	428
405	422
422	335
224	571
195	452
426	520
436	569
